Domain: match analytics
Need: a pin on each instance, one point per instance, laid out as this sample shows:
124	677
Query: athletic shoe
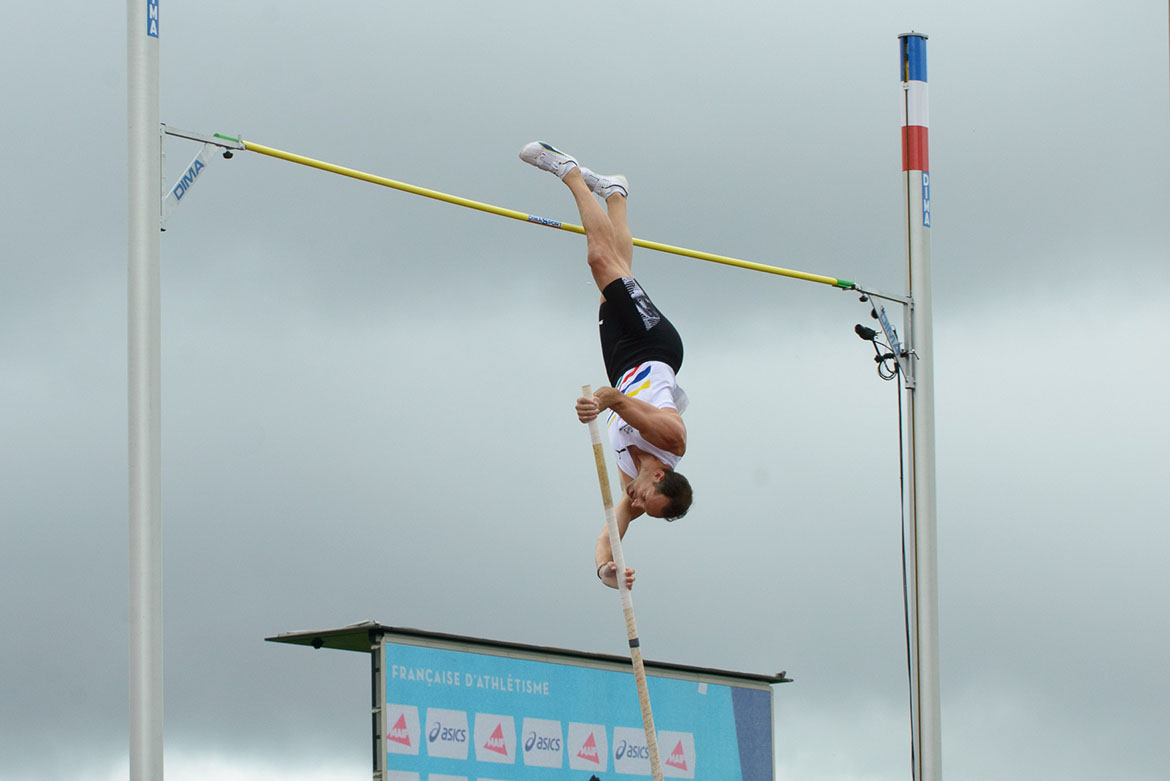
548	158
605	185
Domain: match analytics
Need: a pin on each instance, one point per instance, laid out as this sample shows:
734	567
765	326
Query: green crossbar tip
228	138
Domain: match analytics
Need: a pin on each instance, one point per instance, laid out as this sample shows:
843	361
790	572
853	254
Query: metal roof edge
357	637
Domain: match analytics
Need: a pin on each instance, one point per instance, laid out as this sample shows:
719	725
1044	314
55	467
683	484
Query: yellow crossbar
517	215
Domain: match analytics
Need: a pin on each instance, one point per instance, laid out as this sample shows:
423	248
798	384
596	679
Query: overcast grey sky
367	396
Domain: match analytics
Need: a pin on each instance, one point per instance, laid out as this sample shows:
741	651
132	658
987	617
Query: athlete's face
644	496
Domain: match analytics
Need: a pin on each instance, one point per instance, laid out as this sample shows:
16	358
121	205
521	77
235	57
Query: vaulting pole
143	358
923	557
615	544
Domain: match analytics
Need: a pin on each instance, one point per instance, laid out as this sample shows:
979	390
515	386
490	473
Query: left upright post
144	180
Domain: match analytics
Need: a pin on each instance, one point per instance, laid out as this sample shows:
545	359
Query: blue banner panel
459	716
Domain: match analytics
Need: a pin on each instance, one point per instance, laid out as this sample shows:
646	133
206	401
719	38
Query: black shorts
634	331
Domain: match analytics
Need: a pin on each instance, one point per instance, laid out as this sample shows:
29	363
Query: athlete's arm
660	426
603	553
589	408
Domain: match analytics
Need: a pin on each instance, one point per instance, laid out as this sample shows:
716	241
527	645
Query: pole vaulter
643	353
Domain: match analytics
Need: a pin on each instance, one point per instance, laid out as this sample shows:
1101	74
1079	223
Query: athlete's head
663	493
677	489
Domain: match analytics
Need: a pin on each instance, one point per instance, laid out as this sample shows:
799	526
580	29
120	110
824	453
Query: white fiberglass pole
144	203
920	399
619	560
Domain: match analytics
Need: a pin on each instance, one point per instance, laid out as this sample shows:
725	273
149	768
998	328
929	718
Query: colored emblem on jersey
631	384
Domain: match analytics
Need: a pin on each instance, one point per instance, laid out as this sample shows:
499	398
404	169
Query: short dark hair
677	489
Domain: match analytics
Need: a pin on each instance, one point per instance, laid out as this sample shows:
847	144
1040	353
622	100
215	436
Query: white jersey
654	383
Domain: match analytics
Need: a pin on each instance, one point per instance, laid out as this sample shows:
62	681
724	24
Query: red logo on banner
496	741
399	733
677	757
588	751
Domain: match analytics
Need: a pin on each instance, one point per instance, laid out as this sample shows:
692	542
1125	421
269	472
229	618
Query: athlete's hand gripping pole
615	544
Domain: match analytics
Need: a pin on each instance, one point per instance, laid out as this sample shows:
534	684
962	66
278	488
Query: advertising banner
458	716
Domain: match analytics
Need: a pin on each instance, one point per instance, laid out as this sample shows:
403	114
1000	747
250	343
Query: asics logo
625	749
542	743
447	734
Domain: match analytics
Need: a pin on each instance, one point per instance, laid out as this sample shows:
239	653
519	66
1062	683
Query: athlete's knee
602	257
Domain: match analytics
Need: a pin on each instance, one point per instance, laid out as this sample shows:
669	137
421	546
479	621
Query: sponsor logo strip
588	747
495	738
404	733
630	754
543	743
152	18
678	754
447	733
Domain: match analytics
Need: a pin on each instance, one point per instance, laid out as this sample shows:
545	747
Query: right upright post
922	539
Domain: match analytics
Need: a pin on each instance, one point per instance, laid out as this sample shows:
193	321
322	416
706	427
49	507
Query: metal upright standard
145	194
923	543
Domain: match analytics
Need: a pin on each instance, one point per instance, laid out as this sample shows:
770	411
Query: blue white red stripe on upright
916	107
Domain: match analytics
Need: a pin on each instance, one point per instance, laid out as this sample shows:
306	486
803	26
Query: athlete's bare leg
608	243
616	206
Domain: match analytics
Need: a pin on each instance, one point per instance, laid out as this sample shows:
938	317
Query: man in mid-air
642	353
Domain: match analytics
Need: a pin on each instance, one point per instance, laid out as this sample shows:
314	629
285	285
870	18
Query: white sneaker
605	185
548	158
